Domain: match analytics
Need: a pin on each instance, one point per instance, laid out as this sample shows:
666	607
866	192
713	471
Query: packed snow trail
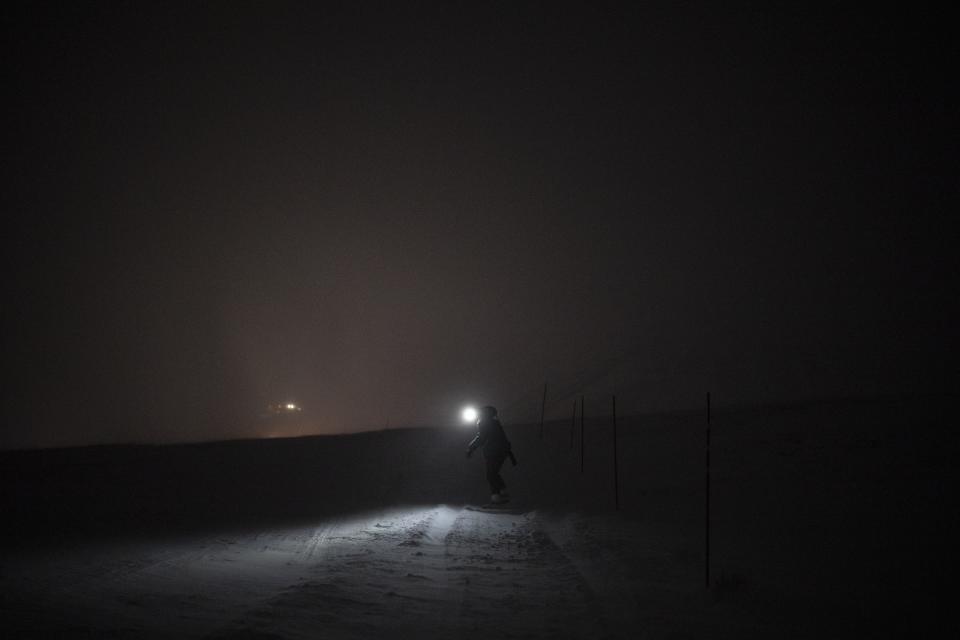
447	573
425	572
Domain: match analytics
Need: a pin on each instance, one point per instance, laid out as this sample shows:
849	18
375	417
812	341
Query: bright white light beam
469	415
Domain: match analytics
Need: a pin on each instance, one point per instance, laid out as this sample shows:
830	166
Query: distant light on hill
284	408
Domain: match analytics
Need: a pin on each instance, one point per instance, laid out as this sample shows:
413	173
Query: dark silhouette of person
496	449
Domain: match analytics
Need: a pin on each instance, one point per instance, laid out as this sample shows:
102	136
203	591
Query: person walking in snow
496	449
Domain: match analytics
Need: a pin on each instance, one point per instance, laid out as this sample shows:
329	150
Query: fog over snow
380	213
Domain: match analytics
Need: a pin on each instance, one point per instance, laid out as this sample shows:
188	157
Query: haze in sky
382	212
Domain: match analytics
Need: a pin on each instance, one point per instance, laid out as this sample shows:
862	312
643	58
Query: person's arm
513	458
477	442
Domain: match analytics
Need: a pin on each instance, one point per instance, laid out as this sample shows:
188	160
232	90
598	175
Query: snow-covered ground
828	520
423	572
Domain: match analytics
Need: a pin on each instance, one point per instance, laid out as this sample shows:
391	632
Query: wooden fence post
706	568
582	407
543	408
616	476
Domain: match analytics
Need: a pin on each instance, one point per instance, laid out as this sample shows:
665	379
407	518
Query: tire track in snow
320	536
381	571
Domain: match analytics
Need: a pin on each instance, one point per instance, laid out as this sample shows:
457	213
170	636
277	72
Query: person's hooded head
487	413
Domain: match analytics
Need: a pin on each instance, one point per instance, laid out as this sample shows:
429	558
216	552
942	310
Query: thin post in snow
706	568
616	476
543	408
582	406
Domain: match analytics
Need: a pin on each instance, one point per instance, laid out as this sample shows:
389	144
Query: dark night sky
382	212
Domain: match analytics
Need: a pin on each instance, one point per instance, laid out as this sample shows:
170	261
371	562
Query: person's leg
493	473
